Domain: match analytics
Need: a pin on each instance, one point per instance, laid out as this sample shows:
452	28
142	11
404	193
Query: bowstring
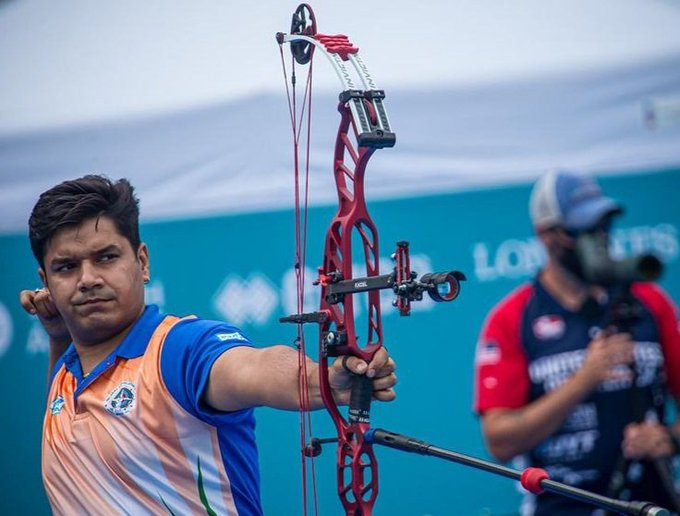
301	212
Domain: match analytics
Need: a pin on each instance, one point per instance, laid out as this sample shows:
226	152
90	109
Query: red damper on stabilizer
531	479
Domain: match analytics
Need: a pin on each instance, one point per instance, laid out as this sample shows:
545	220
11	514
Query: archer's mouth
92	305
92	301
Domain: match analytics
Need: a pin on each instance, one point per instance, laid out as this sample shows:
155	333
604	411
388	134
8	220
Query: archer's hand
606	358
39	302
381	369
646	441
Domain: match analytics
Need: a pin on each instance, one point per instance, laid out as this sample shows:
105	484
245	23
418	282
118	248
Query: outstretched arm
249	377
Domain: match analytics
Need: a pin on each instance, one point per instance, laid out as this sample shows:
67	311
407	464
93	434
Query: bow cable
299	125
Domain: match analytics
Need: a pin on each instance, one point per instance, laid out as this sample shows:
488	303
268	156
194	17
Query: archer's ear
143	257
43	276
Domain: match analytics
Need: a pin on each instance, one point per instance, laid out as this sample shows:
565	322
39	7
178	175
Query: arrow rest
313	449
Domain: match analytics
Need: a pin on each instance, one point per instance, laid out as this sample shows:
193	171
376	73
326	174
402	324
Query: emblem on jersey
488	352
56	405
548	327
122	399
230	336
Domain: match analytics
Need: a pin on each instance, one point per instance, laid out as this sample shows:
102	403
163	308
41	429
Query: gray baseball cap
573	201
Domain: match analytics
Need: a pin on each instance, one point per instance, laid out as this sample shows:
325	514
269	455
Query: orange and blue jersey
135	436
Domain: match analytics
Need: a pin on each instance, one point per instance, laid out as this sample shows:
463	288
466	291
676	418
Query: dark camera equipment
598	267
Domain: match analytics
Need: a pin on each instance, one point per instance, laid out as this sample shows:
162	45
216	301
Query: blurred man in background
574	369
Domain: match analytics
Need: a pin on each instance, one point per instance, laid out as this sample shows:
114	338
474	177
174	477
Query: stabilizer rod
535	480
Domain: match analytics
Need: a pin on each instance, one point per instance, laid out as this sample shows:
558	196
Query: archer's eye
63	267
108	257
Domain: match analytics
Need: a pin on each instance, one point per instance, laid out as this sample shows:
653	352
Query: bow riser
357	475
356	465
351	218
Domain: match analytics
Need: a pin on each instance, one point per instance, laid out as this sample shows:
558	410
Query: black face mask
589	261
575	263
590	246
569	260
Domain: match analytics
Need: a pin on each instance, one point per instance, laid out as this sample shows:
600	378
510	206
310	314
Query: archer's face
96	280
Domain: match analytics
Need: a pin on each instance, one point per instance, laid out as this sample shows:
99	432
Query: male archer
147	412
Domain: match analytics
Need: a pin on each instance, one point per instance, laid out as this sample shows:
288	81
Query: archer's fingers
384	395
26	299
384	383
352	364
381	364
46	307
38	302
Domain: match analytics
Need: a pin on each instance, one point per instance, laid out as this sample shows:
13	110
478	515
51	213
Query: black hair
72	202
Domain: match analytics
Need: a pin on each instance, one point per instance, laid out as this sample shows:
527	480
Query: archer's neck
92	352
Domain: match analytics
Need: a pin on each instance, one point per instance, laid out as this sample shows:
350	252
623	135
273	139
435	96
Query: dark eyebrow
107	249
61	260
98	252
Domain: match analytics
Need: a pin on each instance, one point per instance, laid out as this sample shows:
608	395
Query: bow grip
360	400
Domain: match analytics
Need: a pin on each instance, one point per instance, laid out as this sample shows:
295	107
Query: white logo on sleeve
230	336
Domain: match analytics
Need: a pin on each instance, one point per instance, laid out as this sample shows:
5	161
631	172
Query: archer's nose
89	277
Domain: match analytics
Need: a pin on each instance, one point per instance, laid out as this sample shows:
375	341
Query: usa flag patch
488	352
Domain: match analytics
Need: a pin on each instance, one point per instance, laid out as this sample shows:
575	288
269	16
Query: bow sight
440	286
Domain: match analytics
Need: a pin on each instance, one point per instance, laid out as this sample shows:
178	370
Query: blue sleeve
189	352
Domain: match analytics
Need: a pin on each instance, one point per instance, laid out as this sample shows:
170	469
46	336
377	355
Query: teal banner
241	269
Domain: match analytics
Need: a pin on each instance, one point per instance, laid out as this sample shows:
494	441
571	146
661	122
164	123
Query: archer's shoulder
193	329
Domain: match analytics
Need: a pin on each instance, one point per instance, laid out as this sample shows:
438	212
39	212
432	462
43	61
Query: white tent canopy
187	99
